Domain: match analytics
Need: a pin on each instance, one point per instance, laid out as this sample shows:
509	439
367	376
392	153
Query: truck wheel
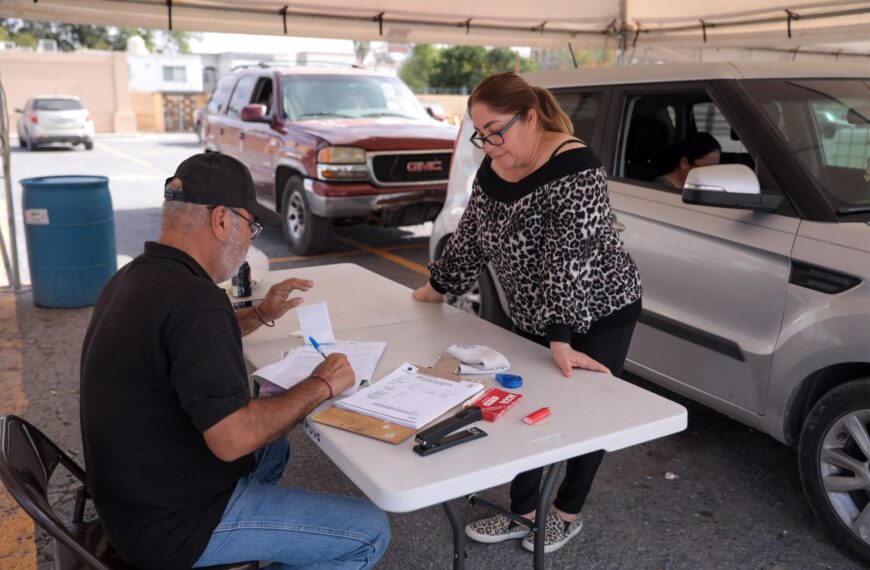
835	465
482	300
305	232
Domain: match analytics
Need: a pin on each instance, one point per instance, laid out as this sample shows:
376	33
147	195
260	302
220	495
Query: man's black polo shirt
161	363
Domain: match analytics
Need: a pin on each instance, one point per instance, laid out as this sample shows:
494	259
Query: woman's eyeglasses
496	138
254	226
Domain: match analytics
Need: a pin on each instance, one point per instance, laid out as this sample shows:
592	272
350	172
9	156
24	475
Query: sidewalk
17	546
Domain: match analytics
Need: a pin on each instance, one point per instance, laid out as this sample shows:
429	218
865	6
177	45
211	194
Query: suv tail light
33	118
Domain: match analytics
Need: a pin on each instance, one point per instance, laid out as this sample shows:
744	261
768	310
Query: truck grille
405	168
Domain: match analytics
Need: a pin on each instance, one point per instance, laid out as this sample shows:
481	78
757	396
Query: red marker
535	417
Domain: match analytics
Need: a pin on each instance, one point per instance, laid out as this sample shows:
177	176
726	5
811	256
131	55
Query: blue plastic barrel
69	227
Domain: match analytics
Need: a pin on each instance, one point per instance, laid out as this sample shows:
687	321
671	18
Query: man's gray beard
232	255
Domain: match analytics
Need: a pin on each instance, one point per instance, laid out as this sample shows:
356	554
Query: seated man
182	464
697	149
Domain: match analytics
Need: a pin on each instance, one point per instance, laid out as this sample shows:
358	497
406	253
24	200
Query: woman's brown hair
509	93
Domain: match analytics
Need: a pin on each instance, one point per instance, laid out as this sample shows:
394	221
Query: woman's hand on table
278	301
427	294
566	358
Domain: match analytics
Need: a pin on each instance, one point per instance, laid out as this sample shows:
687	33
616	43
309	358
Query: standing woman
540	214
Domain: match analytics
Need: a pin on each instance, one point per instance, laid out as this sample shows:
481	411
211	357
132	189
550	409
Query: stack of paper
362	356
410	398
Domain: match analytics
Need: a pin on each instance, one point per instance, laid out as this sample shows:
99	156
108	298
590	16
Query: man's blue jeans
294	528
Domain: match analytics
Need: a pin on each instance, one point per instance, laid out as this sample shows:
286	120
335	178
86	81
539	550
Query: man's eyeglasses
254	226
496	138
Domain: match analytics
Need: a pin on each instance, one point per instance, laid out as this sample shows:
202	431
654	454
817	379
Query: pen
316	347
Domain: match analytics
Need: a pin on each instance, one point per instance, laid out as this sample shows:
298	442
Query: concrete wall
454	106
160	112
99	79
148	108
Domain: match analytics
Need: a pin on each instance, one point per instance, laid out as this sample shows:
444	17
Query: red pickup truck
331	145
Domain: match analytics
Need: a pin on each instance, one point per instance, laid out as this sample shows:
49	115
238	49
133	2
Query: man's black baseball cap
215	179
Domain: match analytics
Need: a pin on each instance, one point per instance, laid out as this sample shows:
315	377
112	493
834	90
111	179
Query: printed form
296	367
410	398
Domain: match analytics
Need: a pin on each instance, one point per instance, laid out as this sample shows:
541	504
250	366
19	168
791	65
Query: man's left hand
278	301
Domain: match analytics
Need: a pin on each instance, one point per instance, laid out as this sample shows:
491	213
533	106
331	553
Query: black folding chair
27	461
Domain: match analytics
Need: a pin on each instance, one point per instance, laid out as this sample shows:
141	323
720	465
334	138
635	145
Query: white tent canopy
785	24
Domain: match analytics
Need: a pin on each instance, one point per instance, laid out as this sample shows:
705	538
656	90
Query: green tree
419	67
459	67
70	37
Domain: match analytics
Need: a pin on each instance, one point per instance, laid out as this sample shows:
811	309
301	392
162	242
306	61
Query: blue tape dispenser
509	380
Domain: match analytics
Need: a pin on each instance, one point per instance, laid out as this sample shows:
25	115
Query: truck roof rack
271	64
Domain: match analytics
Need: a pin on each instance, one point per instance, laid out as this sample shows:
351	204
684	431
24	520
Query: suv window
583	108
242	95
826	123
218	100
656	125
263	94
57	105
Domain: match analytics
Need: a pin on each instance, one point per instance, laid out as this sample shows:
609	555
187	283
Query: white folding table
591	411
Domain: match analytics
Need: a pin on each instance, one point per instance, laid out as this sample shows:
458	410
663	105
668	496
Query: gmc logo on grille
425	166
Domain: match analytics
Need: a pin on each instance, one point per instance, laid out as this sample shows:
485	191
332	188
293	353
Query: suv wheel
305	232
482	300
835	464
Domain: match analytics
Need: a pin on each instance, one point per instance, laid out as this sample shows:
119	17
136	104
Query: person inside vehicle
182	463
539	212
697	149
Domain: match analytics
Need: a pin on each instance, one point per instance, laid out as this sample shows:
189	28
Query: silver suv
755	273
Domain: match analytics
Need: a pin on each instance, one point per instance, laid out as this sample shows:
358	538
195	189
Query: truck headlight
342	163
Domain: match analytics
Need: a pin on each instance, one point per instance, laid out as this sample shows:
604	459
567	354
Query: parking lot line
17	532
346	253
382	252
130	157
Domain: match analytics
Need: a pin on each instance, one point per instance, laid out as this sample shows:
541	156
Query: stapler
436	438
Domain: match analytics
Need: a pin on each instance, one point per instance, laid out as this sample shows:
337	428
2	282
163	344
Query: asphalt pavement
718	495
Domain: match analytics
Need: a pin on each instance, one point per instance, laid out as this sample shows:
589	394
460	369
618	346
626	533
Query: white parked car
54	119
756	274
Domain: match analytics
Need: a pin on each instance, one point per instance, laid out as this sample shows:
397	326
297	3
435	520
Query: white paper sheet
410	398
296	367
314	322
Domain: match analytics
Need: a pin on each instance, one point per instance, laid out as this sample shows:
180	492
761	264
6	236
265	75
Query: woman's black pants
609	347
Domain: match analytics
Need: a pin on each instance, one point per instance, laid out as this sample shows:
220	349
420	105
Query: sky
212	42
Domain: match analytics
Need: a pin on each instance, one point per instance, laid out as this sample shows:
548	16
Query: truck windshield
826	122
308	97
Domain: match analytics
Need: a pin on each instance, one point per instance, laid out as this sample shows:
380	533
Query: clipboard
363	425
379	429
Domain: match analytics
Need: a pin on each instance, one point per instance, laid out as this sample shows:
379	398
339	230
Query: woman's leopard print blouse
551	242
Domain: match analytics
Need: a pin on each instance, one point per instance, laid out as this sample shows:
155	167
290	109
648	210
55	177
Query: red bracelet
322	379
262	320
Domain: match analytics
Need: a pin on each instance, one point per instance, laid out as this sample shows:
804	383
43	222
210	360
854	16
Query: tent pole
622	32
11	266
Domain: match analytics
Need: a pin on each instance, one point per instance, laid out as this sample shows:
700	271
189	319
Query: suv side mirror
254	114
728	186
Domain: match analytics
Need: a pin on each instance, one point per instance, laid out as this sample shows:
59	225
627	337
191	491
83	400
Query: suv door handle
221	130
241	136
